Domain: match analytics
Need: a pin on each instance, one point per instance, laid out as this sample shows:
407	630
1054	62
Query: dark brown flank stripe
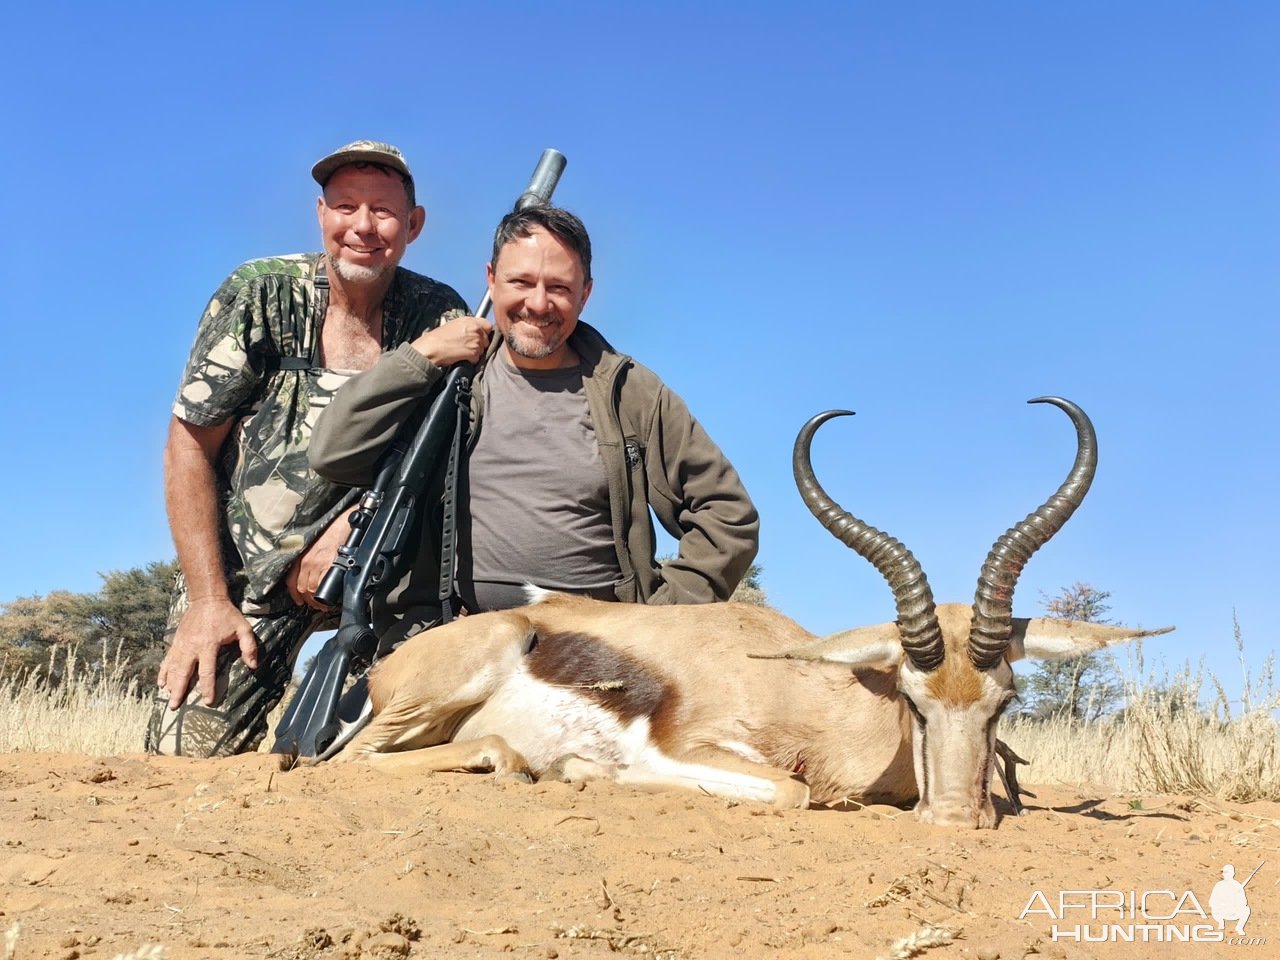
621	684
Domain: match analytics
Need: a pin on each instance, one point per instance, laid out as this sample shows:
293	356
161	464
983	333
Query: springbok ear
1045	638
878	646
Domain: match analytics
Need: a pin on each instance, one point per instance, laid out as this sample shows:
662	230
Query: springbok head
953	659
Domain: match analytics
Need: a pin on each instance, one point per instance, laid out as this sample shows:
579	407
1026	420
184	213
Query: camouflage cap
361	151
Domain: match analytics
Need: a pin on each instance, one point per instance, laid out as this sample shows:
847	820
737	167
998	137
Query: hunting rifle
376	551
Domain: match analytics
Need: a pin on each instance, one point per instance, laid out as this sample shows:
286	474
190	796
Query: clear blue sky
925	212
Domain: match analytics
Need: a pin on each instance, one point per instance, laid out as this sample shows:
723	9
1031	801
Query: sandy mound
234	859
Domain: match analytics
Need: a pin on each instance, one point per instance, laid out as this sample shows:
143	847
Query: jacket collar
599	358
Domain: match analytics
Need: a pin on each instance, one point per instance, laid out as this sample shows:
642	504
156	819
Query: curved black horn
917	618
993	605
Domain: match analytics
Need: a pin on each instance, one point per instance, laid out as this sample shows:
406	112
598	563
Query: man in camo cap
255	528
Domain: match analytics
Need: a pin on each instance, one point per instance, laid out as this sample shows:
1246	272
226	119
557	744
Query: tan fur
956	683
762	723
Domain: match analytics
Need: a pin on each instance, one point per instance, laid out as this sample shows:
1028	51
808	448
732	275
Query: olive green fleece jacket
656	455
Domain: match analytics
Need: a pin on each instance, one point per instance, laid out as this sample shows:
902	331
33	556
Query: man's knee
235	723
243	698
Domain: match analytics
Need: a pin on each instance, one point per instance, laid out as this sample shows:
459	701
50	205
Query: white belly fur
545	723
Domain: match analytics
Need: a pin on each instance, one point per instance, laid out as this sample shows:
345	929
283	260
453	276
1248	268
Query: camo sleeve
220	377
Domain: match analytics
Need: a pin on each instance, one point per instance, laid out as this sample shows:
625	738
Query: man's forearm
365	415
191	500
703	504
712	559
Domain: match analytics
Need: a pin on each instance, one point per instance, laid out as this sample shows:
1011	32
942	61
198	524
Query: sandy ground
233	858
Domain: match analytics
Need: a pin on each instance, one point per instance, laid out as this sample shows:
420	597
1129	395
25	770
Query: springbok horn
917	618
993	605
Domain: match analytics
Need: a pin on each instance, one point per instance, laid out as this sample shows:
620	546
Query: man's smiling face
366	222
538	290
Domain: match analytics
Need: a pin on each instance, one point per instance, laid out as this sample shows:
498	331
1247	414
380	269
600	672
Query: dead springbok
693	697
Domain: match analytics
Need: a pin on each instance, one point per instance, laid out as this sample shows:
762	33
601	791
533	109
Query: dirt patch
232	859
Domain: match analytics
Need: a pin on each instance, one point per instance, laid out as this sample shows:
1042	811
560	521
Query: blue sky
925	212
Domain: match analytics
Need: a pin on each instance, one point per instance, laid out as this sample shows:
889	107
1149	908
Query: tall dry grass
94	709
1176	733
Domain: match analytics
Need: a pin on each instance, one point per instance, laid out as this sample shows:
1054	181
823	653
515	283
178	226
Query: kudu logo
1148	916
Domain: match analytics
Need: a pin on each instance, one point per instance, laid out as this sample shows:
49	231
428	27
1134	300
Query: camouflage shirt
255	362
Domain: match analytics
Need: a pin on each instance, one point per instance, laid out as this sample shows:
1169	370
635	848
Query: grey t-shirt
539	496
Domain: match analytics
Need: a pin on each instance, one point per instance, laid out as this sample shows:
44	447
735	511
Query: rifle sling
449	521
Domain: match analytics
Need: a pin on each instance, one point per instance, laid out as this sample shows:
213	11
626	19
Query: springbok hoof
791	795
572	768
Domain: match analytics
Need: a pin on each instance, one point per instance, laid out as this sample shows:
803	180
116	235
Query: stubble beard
532	349
355	273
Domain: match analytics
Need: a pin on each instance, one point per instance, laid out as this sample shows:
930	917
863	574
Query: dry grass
148	951
94	710
926	938
1168	738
